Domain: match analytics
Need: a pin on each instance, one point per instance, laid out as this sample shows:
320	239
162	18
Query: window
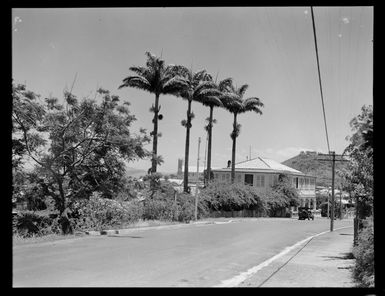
271	180
228	177
239	178
249	179
223	177
260	180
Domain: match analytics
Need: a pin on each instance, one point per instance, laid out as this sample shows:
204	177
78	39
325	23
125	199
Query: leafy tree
282	195
156	78
232	98
360	167
77	147
198	87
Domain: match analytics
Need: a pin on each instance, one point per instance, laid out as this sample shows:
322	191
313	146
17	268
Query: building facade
262	173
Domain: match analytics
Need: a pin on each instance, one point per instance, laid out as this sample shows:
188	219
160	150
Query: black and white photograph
193	147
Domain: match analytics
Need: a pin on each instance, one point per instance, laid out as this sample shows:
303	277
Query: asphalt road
196	255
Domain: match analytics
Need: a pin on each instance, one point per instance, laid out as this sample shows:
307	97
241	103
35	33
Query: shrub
221	196
159	209
28	223
363	270
102	213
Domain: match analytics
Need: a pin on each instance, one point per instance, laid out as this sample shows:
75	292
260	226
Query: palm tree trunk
155	135
209	144
187	148
234	136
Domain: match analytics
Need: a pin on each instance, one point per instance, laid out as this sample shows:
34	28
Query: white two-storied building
262	173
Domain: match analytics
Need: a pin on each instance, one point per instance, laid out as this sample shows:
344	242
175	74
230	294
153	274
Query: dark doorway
249	179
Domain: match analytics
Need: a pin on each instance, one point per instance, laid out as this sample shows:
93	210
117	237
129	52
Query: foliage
233	101
221	196
78	147
360	167
100	213
281	196
29	223
364	255
156	78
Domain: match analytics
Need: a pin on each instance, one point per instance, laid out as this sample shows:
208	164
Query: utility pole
196	184
333	160
340	202
205	178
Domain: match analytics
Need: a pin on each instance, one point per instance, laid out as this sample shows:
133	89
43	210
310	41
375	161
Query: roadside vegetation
76	151
359	181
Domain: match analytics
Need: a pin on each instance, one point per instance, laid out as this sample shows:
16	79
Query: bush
364	253
28	223
221	196
181	208
102	213
159	209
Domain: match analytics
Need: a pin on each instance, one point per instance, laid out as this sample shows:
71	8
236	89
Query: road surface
198	255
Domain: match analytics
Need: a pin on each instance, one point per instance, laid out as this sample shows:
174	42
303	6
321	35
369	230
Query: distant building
262	173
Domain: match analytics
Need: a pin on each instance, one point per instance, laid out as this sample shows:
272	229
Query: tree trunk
209	144
187	147
155	135
65	224
234	148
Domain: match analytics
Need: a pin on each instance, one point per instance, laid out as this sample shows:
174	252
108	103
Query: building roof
260	164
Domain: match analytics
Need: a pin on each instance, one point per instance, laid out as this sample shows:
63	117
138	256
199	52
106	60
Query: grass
19	240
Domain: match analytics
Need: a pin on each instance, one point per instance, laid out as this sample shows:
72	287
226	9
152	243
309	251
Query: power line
319	77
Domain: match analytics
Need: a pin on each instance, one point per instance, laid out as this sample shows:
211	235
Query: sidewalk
323	262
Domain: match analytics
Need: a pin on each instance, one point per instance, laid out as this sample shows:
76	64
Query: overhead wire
319	78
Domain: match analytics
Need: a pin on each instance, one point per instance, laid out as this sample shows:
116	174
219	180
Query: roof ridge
264	162
247	160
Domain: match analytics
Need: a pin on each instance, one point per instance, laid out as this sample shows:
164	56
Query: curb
125	230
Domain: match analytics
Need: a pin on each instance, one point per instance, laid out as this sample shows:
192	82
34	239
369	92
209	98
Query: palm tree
156	78
213	101
233	101
199	86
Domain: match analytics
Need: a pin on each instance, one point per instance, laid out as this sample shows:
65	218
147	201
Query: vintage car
305	213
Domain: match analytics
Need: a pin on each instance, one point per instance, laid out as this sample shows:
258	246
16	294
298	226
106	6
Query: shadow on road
124	236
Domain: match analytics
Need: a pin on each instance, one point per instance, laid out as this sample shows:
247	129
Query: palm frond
153	61
200	76
253	101
141	71
175	86
182	71
224	84
137	82
243	89
206	86
252	104
212	101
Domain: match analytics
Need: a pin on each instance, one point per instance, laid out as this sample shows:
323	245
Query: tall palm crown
232	98
156	78
198	87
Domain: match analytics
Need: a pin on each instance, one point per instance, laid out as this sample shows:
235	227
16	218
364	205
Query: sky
269	48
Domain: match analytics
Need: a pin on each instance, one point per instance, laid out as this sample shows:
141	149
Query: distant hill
307	163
